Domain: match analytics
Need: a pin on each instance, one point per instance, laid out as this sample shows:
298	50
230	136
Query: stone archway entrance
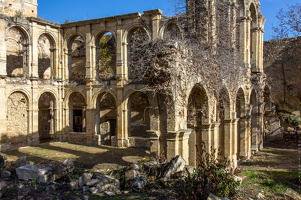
242	142
106	119
46	117
196	117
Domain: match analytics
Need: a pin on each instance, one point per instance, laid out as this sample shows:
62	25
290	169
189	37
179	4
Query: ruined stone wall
282	64
74	93
17	119
19	8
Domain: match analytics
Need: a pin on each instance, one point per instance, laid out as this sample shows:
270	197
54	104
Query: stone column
2	49
122	119
215	136
192	148
89	54
233	143
34	53
3	110
248	136
154	142
244	39
206	137
90	116
255	131
120	62
34	113
254	50
228	139
172	144
242	137
183	143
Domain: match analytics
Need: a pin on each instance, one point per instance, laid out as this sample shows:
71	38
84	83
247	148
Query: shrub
210	176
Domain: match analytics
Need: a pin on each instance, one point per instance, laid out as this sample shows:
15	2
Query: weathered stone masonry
56	86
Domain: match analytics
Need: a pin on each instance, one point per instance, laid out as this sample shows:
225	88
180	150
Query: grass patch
271	182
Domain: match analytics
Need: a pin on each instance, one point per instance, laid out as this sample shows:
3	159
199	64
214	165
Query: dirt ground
95	158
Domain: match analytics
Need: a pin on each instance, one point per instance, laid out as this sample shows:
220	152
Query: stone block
33	172
175	165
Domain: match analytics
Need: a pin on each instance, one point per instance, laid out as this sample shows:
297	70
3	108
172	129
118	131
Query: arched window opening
172	32
45	55
137	41
16	52
106	57
77	64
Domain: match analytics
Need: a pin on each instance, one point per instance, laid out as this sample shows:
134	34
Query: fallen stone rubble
21	180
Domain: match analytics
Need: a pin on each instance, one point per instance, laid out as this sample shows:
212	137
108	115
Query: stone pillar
183	143
2	49
242	137
89	54
34	113
233	143
215	136
248	136
206	137
120	63
228	139
192	148
34	54
255	131
154	142
122	119
172	144
244	23
3	110
90	116
260	131
254	49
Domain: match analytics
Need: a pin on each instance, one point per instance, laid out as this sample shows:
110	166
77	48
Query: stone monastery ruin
73	82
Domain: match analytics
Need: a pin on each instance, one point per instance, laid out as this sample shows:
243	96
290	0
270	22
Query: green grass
272	182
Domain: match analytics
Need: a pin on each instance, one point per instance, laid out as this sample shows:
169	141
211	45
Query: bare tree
289	24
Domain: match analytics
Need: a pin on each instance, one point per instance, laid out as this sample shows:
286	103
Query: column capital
173	135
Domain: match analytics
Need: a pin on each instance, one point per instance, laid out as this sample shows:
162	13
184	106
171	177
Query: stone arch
224	117
242	143
77	58
17	119
255	129
106	56
172	32
46	48
106	118
77	112
139	118
47	115
16	52
197	118
136	39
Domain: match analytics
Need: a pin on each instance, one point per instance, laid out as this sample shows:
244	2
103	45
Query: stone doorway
46	117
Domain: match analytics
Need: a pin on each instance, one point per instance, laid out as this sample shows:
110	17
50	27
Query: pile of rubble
21	180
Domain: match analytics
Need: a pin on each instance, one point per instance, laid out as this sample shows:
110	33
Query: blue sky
75	10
